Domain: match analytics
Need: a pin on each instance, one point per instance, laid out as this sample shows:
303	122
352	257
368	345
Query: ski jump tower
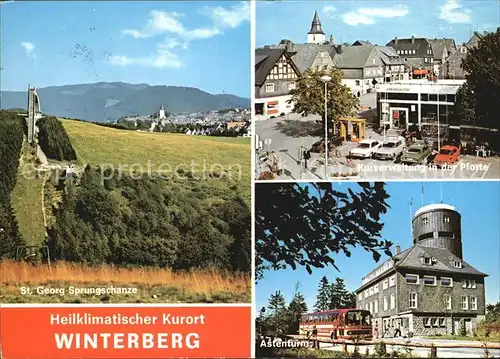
34	113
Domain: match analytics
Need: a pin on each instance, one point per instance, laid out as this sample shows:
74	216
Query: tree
350	300
296	308
339	294
493	313
309	96
276	302
305	225
323	295
482	68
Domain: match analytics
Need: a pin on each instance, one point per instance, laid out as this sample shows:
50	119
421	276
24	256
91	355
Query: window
446	219
370	291
375	288
393	301
465	302
457	264
446	282
269	87
386	307
291	86
411	278
366	294
375	307
413	300
469	283
435	322
360	296
447	301
424	221
371	307
442	322
463	50
367	307
392	281
425	60
385	284
429	280
473	303
427	322
357	84
427	261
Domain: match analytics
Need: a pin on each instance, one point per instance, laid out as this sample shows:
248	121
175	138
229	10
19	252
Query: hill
165	152
105	101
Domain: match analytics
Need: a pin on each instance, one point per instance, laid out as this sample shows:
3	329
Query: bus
338	324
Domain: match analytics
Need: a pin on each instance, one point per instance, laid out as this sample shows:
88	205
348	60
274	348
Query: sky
376	21
199	44
477	202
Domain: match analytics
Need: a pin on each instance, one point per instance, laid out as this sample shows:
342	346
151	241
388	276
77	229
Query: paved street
424	352
288	134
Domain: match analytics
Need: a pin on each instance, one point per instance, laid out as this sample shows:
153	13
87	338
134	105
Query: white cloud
163	58
453	12
162	22
368	16
29	48
329	10
232	17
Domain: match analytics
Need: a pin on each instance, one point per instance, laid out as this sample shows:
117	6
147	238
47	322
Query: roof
422	86
389	56
439	45
420	45
353	57
304	54
265	59
361	43
342	310
316	25
444	259
433	207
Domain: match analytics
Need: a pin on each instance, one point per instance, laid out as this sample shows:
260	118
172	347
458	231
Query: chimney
413	39
398	249
395	40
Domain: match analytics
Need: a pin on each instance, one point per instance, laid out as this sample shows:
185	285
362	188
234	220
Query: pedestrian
376	332
397	333
307	156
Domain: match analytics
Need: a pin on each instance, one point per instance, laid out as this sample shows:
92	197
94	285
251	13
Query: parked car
391	149
417	153
365	149
447	155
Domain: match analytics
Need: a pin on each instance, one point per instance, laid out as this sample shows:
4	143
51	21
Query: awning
420	72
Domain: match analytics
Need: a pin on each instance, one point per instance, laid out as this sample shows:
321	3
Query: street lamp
326	79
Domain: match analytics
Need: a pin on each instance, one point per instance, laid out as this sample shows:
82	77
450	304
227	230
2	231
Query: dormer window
427	261
424	221
446	219
463	50
457	264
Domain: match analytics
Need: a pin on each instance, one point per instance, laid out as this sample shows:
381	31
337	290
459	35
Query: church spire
316	26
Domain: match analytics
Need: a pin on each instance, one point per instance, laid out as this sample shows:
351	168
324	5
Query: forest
100	217
11	138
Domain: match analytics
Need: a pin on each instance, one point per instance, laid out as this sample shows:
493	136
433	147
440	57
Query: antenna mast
411	217
422	194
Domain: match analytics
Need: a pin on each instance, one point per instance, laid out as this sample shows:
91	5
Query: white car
391	149
365	149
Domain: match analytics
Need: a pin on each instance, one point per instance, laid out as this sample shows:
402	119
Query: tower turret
316	34
439	226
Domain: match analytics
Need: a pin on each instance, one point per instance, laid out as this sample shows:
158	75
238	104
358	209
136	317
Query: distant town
228	122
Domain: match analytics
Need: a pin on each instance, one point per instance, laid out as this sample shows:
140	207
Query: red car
447	155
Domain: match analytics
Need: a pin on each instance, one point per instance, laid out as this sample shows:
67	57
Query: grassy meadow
96	145
154	285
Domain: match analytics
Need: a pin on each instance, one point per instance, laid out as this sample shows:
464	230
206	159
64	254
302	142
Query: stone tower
34	113
316	34
439	226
